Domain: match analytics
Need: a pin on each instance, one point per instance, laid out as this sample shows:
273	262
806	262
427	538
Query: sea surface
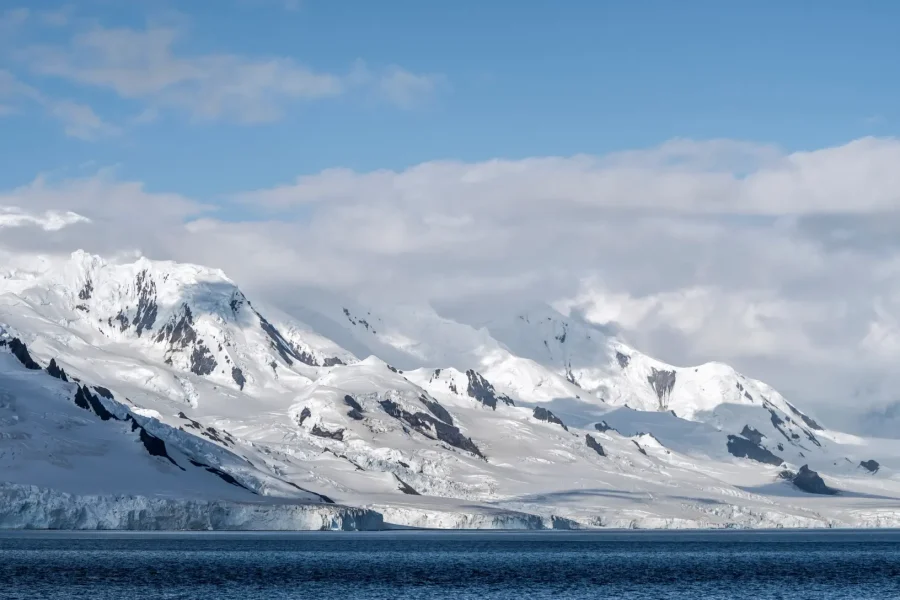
390	565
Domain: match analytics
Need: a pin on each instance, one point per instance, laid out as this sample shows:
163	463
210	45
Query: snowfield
156	395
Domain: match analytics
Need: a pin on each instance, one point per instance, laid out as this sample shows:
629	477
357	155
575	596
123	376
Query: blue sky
508	79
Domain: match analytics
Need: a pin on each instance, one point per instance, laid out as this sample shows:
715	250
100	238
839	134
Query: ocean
459	565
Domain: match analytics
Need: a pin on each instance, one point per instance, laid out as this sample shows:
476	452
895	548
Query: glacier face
157	395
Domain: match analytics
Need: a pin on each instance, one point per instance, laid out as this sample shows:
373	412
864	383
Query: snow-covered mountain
154	394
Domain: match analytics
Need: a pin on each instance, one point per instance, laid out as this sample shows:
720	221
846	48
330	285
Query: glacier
157	395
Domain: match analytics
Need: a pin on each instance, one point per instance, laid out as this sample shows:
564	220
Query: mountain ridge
451	423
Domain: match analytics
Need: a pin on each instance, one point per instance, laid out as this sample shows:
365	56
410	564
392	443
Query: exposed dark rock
332	361
594	444
640	449
356	410
324	433
321	497
191	423
304	415
748	396
623	359
179	331
744	448
86	291
483	391
154	445
570	376
222	475
393	369
213	434
406	488
871	466
752	434
810	422
122	320
104	392
437	410
20	351
777	423
603	426
352	403
236	302
812	438
662	383
84	399
542	414
238	377
282	346
809	481
145	316
202	360
55	371
431	427
781	447
738	385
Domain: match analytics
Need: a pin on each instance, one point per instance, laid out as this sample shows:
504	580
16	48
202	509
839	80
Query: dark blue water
818	565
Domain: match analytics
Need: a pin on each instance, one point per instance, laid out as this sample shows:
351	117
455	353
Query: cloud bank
783	264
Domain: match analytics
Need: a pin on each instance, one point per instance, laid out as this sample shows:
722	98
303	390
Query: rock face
481	389
809	481
594	445
20	351
542	414
662	383
752	434
431	427
744	448
871	466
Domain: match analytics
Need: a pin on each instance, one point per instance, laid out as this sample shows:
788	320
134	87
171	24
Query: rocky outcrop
744	448
238	376
594	445
54	370
483	391
808	481
84	399
871	466
20	351
662	383
542	414
437	410
356	409
145	315
431	427
752	434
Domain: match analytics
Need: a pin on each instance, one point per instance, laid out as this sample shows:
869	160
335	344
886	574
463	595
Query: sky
716	181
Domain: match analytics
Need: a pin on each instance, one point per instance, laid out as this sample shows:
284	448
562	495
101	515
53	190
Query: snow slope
335	415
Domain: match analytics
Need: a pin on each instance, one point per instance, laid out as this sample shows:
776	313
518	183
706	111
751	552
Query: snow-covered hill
160	396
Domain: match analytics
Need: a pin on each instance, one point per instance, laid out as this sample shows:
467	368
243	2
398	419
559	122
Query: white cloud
785	265
50	220
145	65
79	120
683	176
405	89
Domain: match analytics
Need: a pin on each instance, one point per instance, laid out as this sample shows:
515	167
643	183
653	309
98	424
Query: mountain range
157	395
